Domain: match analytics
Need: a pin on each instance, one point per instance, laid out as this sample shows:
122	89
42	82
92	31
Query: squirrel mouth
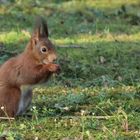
45	62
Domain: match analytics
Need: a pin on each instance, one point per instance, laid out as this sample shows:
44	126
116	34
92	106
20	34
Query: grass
97	94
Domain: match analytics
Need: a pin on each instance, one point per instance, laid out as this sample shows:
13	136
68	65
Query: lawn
97	94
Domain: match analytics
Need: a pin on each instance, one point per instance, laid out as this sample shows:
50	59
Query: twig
8	52
6	118
75	117
71	46
100	117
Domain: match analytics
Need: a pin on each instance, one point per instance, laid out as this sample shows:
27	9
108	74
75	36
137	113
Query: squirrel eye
43	50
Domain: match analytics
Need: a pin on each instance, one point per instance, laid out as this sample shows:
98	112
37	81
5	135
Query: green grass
100	75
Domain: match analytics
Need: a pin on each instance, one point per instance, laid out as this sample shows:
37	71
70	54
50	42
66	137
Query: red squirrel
34	65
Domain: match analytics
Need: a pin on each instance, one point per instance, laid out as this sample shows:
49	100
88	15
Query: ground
97	94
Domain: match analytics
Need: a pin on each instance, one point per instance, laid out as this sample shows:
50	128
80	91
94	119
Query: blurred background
98	44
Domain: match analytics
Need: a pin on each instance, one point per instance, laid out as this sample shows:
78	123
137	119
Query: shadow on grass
99	64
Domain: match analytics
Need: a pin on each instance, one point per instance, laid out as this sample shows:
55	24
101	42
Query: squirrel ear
41	29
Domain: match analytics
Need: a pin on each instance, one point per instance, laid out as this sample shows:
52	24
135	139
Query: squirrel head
40	46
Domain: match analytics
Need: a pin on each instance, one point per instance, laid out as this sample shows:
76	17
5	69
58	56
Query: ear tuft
41	28
45	28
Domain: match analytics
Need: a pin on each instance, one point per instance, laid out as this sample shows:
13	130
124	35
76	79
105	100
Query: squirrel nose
52	57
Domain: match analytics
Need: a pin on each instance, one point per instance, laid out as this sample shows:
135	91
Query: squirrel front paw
55	68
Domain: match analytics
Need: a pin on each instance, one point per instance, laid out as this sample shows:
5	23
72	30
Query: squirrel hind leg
25	101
